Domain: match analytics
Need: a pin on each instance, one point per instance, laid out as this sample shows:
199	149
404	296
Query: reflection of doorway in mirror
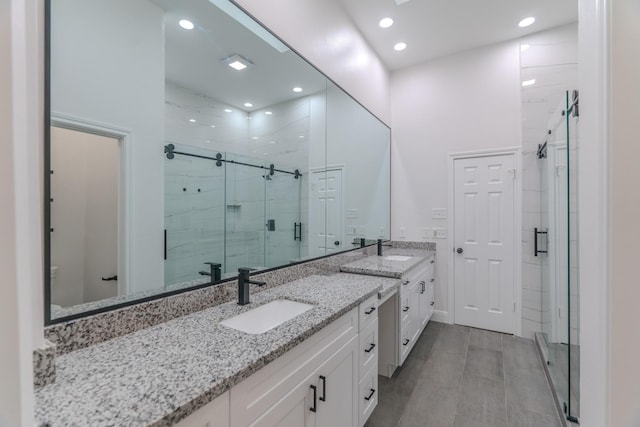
84	216
326	209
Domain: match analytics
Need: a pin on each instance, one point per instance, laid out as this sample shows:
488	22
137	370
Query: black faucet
362	242
243	285
215	271
380	245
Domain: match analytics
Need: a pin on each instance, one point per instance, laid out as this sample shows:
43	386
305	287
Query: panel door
334	211
293	410
337	382
484	242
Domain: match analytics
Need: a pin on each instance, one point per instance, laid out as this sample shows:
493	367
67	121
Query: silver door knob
459	250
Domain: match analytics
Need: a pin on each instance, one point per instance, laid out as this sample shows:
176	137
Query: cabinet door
213	414
293	410
337	382
417	312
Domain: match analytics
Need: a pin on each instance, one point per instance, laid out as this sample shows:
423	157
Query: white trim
594	205
125	215
440	316
449	316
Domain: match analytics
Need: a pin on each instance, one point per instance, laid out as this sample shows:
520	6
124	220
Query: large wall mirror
185	141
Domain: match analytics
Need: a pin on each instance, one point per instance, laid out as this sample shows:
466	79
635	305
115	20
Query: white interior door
484	232
326	212
333	197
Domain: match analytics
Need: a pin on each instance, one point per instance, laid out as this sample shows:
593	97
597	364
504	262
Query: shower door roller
459	250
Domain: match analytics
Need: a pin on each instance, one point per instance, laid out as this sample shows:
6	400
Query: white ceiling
194	59
437	28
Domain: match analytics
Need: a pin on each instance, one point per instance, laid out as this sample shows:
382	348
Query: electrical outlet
361	230
439	213
402	232
351	230
439	233
381	234
426	233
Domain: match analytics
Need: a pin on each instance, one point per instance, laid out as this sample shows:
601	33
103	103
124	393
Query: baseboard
441	316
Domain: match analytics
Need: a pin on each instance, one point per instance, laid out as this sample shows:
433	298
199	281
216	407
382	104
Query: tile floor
460	376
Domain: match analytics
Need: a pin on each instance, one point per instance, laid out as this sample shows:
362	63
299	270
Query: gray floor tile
530	391
460	376
481	403
444	369
452	339
518	416
431	405
485	339
484	363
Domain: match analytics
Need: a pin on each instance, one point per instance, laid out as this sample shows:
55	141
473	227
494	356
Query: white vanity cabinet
322	382
213	414
416	305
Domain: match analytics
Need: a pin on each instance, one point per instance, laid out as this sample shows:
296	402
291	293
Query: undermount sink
267	316
397	258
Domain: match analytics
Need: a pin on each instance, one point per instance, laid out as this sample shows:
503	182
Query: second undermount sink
267	316
397	258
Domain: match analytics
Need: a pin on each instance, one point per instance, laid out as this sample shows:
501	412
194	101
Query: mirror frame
47	187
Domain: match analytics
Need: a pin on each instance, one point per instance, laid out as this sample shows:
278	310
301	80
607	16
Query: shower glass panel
558	235
284	226
193	214
245	213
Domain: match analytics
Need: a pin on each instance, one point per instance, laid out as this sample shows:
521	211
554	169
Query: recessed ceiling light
268	113
186	24
237	62
526	22
386	22
272	142
297	89
248	104
529	82
524	47
254	137
192	120
400	46
226	110
301	136
213	126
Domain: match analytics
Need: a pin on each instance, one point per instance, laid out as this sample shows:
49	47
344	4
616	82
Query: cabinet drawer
406	340
368	395
368	311
368	357
405	306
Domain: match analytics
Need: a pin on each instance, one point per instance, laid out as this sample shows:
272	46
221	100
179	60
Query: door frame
124	137
517	224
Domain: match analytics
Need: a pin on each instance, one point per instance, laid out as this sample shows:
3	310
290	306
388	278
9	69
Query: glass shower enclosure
227	210
556	243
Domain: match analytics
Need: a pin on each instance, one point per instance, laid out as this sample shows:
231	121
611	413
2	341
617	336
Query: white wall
465	102
120	88
624	214
21	314
322	32
552	60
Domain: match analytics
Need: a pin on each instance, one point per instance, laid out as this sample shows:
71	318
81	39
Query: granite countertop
159	375
379	266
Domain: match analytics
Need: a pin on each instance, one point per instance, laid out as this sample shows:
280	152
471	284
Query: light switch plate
439	213
439	233
351	230
402	232
381	234
361	230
